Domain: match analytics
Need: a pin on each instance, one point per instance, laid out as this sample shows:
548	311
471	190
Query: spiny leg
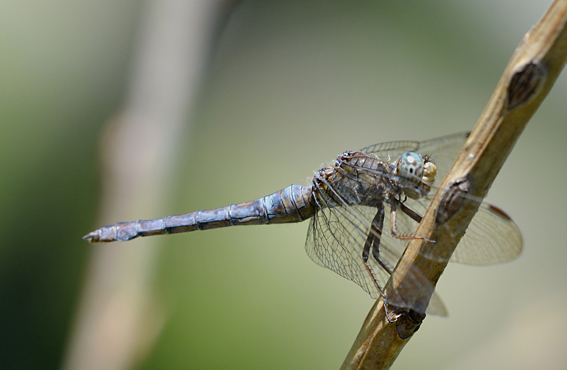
410	212
394	222
372	243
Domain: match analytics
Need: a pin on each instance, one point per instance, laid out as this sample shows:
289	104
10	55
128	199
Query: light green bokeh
291	85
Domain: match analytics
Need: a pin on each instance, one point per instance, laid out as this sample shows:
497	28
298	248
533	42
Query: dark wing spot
499	212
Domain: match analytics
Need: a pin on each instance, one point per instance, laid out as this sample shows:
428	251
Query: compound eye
410	164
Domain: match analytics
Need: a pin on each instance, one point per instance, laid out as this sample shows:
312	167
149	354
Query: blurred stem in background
118	319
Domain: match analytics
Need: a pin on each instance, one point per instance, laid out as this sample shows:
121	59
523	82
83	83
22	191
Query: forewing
443	150
391	150
491	238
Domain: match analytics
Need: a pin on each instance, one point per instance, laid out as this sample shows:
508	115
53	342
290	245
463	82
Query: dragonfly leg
373	240
394	222
410	212
372	243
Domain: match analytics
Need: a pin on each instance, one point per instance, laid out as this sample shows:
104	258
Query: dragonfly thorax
356	178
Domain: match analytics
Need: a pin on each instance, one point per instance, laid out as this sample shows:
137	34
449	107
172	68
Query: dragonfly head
416	173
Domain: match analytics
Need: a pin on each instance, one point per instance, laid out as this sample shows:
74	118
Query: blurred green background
289	86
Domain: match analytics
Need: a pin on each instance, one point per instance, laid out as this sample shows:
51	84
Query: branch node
452	200
525	84
408	323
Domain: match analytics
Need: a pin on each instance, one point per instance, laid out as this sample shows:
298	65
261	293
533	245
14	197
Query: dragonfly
363	208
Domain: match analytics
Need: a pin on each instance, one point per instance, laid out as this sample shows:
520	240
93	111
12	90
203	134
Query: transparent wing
442	150
391	150
492	237
336	239
338	232
436	306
